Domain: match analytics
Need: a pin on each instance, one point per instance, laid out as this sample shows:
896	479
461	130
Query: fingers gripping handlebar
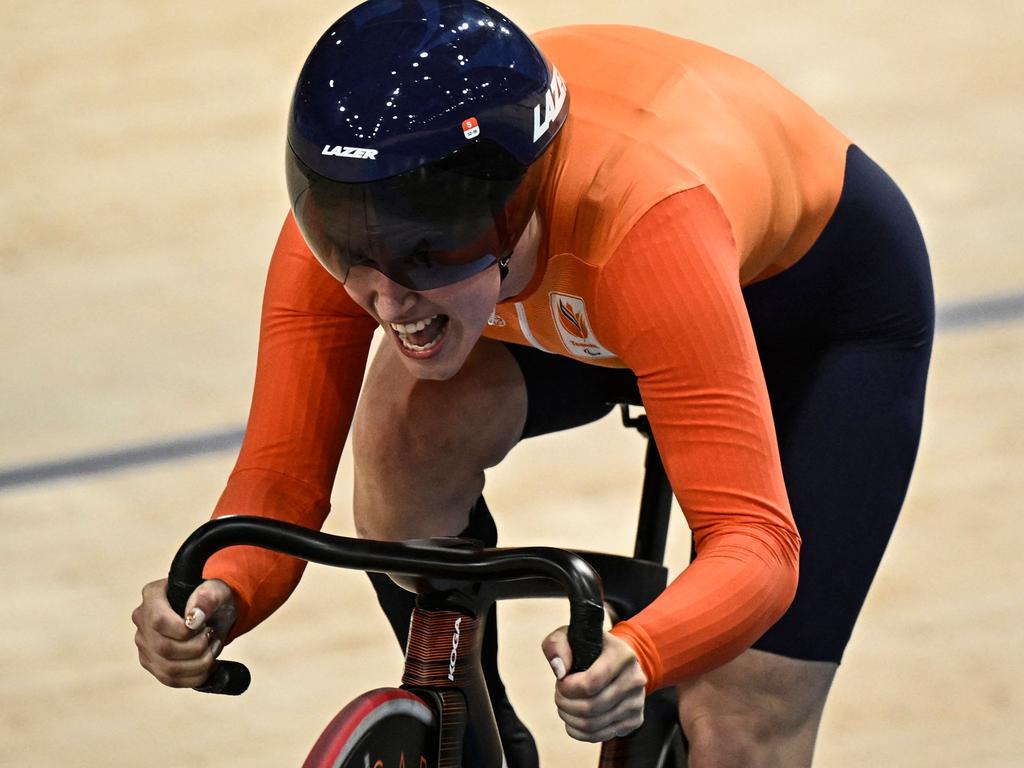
518	572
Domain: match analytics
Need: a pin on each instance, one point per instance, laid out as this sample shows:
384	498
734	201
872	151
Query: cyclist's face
457	313
434	331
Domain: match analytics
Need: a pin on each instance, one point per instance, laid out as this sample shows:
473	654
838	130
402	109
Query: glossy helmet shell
414	137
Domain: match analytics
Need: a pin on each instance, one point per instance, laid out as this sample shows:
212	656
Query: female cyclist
542	227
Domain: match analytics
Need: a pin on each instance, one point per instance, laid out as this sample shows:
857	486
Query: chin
431	373
436	369
446	364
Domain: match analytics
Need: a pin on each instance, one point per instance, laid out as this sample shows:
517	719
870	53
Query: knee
399	431
751	737
406	427
758	710
421	447
411	480
717	741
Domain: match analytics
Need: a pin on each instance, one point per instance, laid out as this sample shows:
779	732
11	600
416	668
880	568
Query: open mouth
421	337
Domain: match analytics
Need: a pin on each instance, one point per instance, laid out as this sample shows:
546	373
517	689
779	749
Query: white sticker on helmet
470	128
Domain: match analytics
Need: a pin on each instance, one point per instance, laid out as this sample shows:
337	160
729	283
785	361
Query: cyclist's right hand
180	652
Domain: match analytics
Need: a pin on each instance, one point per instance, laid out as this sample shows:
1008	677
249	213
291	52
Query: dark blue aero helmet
417	140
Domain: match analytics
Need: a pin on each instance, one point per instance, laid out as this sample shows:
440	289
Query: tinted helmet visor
425	228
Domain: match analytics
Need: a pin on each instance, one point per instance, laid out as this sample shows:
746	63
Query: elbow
774	554
789	579
785	574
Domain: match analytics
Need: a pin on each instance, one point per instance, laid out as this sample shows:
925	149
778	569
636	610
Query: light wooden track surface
140	195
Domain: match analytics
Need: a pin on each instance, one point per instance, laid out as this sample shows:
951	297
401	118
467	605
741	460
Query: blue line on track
970	314
122	458
953	317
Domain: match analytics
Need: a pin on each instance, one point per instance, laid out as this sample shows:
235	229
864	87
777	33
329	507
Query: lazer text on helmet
554	101
357	152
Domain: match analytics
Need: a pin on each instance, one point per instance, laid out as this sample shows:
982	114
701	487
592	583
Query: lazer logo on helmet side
554	102
356	152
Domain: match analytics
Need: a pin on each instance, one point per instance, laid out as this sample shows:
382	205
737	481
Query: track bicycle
441	714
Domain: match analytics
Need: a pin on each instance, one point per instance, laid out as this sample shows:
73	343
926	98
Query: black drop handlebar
515	572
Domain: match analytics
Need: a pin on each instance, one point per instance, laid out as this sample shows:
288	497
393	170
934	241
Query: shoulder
606	180
683	240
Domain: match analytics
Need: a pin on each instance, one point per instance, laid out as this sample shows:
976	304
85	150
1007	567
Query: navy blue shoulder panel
396	84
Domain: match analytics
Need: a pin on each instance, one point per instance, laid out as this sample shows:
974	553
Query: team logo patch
572	323
570	316
470	128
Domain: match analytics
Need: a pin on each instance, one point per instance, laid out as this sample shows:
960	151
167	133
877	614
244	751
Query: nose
391	300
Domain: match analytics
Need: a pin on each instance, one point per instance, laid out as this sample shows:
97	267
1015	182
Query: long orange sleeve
314	341
669	303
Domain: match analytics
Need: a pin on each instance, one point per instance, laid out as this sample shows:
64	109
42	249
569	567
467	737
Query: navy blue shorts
845	338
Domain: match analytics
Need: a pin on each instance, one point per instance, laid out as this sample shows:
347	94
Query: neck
523	263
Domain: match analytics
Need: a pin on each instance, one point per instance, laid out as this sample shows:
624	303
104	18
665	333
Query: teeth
407	328
417	347
404	330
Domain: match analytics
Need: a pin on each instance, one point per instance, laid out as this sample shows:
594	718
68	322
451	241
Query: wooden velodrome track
141	190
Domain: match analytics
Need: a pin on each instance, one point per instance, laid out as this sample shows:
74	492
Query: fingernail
558	666
194	619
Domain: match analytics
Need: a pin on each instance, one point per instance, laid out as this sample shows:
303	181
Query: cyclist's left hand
606	700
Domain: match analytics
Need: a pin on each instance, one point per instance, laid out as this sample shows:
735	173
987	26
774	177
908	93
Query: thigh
562	393
848	421
421	446
845	340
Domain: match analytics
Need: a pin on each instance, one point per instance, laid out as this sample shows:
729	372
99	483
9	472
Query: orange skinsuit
683	175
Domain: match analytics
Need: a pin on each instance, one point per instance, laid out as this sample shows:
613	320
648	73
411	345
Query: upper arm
671	307
314	341
678	320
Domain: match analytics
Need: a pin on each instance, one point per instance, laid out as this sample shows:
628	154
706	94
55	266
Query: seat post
655	498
